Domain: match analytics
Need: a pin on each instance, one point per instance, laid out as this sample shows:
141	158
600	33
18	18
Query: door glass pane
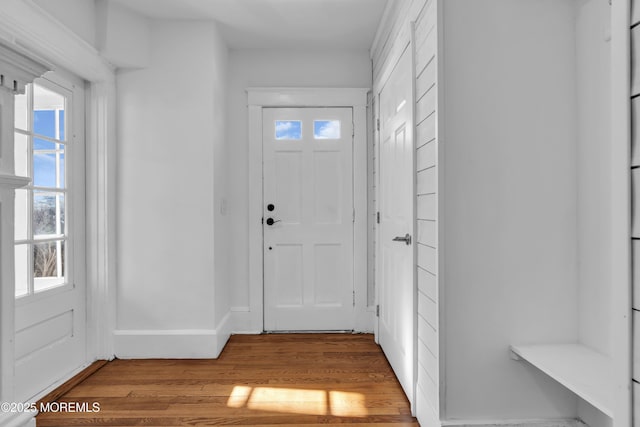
22	269
326	129
288	129
45	218
48	260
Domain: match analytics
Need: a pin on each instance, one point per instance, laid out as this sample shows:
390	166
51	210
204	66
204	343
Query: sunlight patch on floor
298	401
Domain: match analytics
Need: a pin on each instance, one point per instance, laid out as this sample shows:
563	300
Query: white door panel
396	267
308	250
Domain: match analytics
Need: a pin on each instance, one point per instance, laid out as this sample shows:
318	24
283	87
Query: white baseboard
223	332
425	411
172	343
513	423
245	322
366	320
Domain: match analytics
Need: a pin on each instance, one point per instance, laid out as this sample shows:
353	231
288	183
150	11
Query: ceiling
247	24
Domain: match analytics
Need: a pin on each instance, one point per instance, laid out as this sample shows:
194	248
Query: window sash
46	252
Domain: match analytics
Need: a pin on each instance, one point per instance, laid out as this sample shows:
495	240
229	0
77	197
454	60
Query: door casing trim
252	317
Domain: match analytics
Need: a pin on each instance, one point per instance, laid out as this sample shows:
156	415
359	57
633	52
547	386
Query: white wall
593	62
594	170
77	15
122	35
271	68
222	235
510	237
171	133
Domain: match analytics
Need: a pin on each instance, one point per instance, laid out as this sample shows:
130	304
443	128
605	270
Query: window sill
13	181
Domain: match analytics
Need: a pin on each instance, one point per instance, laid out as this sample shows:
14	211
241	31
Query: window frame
65	240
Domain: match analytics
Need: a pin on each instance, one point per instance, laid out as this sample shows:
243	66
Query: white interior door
50	313
396	260
308	218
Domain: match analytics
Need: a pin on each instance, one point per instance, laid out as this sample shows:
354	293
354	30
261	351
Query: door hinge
378	125
353	219
354	298
378	217
378	310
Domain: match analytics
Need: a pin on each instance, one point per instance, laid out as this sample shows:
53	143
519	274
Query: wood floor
259	380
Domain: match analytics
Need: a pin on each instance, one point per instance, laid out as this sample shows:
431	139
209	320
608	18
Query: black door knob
270	207
271	221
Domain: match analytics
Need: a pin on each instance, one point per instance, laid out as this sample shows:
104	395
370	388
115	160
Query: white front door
50	317
396	260
308	219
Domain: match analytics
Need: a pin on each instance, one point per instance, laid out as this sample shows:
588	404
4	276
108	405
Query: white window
42	117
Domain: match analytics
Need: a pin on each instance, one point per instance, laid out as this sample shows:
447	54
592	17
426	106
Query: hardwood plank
74	381
259	380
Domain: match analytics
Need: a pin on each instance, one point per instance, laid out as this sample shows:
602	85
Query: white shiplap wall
395	31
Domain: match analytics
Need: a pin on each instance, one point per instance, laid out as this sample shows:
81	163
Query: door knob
271	221
406	239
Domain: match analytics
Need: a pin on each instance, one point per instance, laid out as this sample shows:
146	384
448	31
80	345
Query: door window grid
40	227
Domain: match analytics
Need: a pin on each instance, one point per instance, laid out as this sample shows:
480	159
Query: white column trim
101	219
17	69
259	98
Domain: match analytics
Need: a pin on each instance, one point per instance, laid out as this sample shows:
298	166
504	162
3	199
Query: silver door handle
406	239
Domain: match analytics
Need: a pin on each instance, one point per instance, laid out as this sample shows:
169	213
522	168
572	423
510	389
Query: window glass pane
22	269
45	105
44	123
21	154
326	129
288	129
21	113
45	218
41	144
22	217
61	124
61	171
63	210
48	261
44	170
